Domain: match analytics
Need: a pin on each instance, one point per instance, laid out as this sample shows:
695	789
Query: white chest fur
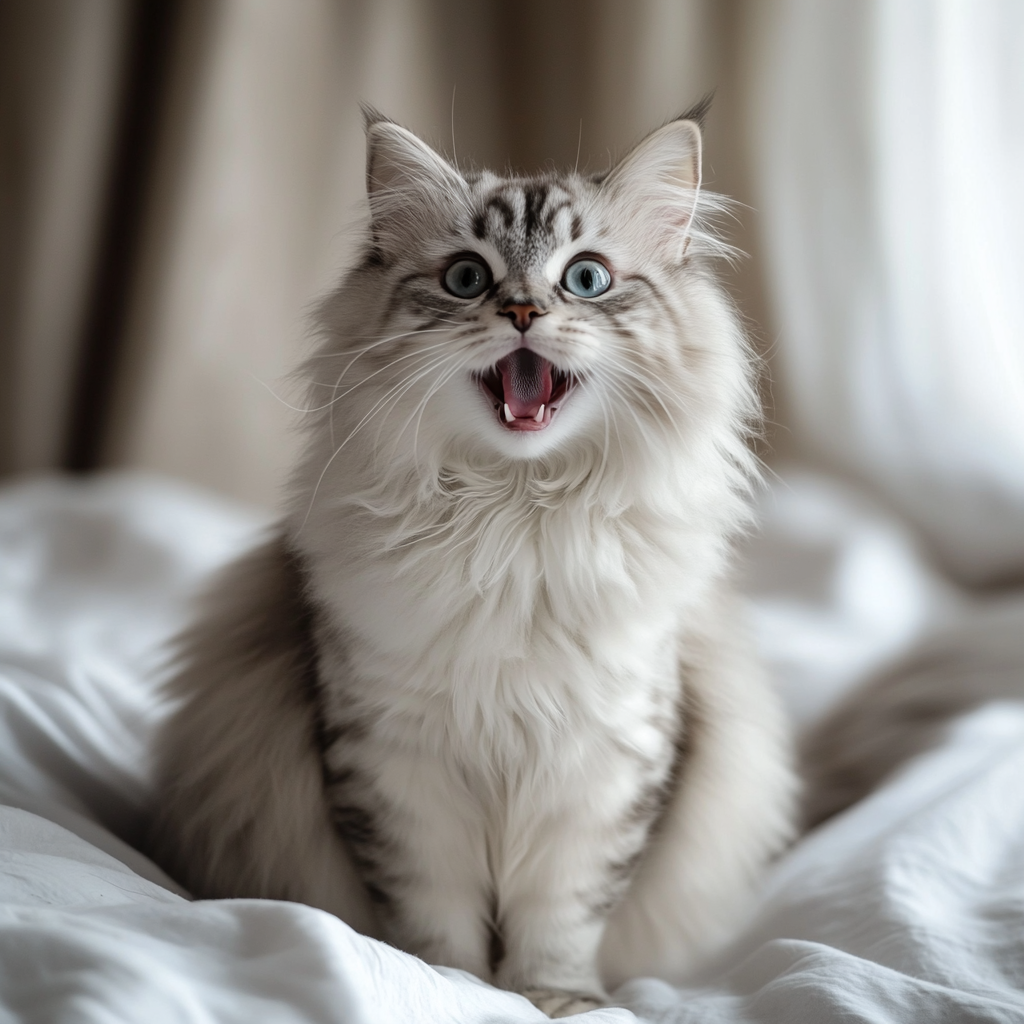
566	628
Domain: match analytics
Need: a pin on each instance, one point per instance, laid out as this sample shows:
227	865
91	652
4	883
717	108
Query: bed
907	907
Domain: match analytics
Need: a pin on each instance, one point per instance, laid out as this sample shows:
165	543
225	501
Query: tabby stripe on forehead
502	205
577	227
534	198
549	220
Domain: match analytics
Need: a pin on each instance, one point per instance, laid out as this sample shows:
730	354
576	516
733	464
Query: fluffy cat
485	694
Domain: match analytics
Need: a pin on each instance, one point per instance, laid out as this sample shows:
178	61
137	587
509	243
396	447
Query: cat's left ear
401	170
659	180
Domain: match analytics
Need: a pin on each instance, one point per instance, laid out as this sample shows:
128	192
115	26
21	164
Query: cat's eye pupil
587	278
466	278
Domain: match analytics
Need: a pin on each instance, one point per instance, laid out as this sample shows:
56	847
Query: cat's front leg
564	870
419	844
550	954
730	812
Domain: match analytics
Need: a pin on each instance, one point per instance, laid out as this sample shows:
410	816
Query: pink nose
521	314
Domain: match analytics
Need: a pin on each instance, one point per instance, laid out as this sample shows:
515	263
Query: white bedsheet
910	907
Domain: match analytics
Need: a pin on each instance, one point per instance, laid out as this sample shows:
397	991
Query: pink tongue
526	380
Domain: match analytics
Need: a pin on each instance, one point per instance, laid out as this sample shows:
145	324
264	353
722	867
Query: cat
486	693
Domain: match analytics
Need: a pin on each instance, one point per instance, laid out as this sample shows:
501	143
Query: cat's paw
557	1003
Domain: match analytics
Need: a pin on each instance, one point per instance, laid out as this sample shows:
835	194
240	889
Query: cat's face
521	314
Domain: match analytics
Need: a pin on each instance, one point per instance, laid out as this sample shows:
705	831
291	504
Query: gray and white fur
485	694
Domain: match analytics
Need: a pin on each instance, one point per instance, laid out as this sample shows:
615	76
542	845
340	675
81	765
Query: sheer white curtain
888	156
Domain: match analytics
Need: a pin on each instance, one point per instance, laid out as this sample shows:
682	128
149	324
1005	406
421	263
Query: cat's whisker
434	366
399	389
396	393
336	397
341	353
283	401
417	353
423	404
639	397
612	384
629	371
384	341
442	319
348	351
363	351
355	430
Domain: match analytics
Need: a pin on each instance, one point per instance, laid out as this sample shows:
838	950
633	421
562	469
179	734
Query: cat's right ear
401	169
659	182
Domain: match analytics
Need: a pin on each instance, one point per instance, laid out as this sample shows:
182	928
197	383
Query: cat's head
519	317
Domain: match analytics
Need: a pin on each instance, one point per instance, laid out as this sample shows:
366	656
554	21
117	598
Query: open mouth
525	389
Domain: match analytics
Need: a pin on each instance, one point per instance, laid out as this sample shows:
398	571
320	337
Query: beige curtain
157	266
254	185
61	67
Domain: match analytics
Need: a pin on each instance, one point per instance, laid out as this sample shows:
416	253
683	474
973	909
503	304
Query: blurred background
179	180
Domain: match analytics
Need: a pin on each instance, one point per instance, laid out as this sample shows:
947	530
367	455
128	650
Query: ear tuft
371	115
699	111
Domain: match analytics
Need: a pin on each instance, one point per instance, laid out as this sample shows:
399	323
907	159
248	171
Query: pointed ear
398	163
660	179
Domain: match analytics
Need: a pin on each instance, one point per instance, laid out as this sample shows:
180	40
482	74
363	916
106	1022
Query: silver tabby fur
486	695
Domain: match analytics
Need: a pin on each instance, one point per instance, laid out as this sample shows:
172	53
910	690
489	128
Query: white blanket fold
909	907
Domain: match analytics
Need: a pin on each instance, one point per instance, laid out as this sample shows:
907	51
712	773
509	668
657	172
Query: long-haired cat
485	693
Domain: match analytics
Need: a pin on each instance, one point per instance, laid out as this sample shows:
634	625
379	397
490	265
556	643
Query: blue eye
587	278
467	278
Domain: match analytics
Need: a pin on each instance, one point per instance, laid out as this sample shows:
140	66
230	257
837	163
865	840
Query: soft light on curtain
889	149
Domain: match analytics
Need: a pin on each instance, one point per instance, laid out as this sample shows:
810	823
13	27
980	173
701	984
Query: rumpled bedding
907	907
